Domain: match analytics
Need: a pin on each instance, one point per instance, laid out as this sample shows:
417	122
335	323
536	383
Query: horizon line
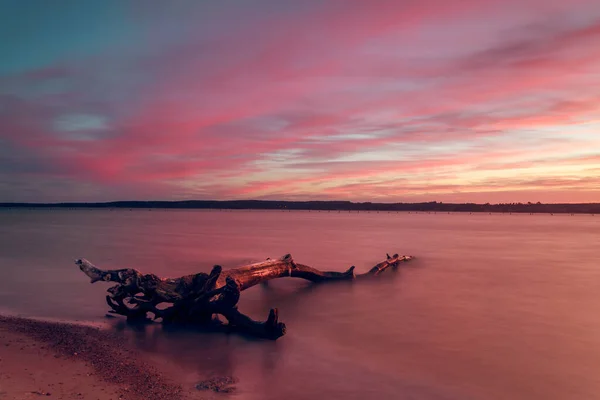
9	203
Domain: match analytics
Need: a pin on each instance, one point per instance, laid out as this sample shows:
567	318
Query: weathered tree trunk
197	298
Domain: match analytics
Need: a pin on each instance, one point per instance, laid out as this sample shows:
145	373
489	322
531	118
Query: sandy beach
41	359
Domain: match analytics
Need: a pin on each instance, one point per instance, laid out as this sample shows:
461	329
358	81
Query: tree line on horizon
432	206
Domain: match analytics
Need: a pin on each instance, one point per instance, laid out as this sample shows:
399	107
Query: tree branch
196	298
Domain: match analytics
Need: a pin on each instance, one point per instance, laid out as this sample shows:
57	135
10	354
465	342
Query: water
495	306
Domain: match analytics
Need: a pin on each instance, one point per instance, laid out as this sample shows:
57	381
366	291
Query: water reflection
494	307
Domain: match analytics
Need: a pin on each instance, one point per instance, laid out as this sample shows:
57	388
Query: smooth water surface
495	306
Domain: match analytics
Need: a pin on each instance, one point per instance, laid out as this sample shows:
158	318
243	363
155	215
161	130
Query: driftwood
197	298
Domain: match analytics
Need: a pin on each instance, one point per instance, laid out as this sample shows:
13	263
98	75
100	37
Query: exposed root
197	298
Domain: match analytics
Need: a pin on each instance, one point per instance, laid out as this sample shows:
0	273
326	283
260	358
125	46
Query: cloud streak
387	100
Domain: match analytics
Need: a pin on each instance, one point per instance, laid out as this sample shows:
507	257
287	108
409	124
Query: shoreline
60	360
324	211
322	206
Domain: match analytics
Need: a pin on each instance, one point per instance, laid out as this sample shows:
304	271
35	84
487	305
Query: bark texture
197	298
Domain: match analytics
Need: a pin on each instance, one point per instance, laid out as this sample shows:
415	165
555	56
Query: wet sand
41	359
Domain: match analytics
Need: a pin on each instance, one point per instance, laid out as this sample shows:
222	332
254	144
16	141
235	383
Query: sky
380	100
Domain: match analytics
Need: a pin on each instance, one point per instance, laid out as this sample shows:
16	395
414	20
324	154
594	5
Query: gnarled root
197	298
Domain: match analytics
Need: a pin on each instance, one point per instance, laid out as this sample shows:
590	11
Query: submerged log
198	298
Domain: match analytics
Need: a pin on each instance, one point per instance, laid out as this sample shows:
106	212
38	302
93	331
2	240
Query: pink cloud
286	105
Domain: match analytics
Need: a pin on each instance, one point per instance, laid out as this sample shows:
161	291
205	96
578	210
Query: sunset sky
393	101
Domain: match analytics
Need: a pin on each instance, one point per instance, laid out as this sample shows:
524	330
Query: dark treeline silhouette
433	206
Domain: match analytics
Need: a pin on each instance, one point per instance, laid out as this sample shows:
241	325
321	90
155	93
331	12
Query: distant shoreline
532	208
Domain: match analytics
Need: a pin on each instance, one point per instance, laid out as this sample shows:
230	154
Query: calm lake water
495	306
